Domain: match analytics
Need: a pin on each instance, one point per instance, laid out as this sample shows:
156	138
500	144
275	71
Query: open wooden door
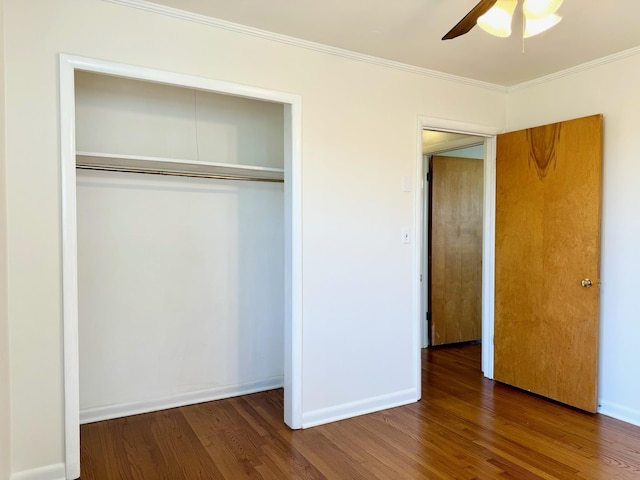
548	204
455	264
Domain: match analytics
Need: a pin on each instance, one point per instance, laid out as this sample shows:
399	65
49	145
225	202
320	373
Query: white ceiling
409	31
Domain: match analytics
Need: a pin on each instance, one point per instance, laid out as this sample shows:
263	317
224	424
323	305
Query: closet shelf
178	167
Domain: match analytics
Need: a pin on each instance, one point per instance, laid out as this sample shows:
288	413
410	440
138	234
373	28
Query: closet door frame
293	231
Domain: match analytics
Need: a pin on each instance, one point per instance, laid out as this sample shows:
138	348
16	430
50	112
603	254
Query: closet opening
181	243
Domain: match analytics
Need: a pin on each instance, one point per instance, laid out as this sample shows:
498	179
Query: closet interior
180	233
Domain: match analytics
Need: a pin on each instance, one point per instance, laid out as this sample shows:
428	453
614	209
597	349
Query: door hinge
428	316
428	176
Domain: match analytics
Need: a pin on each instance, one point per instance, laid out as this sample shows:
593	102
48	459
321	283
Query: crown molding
318	47
573	70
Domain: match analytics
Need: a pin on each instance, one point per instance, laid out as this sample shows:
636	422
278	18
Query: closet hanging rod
180	174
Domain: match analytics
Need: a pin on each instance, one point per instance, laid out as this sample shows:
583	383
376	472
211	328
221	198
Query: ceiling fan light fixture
535	26
497	21
540	9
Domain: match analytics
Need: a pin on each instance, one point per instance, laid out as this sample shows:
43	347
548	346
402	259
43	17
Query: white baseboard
108	412
50	472
354	409
620	412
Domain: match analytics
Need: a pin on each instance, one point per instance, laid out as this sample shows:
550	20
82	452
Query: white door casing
293	231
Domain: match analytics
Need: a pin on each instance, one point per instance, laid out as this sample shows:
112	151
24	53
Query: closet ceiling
410	31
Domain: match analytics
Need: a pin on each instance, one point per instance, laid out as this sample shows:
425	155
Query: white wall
359	138
181	290
610	89
130	117
5	412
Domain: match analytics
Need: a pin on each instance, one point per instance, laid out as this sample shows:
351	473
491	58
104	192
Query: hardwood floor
465	427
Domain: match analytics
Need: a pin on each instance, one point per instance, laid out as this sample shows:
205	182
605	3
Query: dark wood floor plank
266	410
184	455
465	427
367	447
531	448
430	449
226	439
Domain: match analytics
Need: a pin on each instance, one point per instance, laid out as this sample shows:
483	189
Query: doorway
292	230
576	131
487	135
454	165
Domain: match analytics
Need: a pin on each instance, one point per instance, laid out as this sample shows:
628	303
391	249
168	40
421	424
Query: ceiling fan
495	17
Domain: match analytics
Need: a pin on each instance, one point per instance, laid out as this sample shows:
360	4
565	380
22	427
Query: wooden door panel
456	249
548	204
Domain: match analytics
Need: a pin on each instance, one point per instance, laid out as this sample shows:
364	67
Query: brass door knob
586	283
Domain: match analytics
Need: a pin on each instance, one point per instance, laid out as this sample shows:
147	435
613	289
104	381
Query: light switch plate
406	183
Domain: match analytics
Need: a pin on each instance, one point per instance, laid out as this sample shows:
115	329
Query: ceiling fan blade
470	19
